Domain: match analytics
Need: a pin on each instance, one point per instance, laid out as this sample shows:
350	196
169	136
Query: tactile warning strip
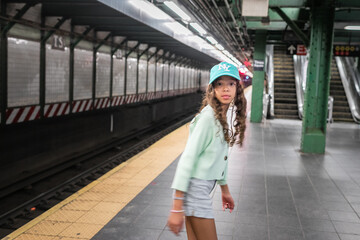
83	214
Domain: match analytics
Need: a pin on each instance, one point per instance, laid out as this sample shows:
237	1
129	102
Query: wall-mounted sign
298	49
58	42
346	50
259	65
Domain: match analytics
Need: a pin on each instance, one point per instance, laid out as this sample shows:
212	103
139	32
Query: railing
300	71
350	78
268	98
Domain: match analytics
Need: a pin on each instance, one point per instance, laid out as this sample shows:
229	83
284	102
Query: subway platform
279	192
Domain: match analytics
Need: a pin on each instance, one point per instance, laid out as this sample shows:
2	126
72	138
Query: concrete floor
279	192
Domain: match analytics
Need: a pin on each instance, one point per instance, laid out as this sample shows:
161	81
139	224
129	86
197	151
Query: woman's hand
176	222
176	218
227	201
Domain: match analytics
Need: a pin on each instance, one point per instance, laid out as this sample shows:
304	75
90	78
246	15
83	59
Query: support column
93	95
42	67
259	76
3	66
71	69
318	77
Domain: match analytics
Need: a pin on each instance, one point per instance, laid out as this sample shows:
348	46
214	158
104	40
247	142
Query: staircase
341	110
284	85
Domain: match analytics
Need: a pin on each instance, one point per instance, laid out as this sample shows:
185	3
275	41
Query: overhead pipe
234	21
236	26
203	10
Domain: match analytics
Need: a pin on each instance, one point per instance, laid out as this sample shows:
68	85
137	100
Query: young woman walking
204	161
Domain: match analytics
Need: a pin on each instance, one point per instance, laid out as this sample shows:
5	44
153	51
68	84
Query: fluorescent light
150	9
352	27
198	28
177	10
211	40
178	28
219	47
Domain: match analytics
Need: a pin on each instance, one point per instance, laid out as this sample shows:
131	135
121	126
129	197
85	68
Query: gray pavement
279	192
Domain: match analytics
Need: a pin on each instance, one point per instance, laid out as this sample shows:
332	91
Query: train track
33	206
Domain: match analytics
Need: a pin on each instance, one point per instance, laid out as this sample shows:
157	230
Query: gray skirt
197	200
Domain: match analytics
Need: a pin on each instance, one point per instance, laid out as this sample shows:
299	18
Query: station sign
346	50
259	65
58	42
296	49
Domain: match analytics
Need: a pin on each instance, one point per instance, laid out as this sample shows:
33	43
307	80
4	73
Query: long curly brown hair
239	121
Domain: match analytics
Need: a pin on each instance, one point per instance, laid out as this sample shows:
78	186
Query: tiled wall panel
57	75
23	72
83	60
102	75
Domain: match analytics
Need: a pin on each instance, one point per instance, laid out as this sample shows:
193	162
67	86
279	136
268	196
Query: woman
205	158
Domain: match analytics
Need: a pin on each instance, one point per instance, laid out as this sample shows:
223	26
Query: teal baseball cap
223	68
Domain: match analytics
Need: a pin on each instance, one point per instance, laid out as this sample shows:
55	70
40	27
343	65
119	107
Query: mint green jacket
206	152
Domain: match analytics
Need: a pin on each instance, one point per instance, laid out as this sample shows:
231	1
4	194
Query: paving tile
285	222
277	233
96	217
33	237
137	233
62	215
80	205
250	218
247	231
312	235
48	228
81	230
317	225
337	206
108	207
345	227
344	216
349	236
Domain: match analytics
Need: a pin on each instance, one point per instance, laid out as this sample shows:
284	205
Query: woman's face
225	89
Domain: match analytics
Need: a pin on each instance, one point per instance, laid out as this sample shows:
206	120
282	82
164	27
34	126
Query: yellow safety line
35	221
46	214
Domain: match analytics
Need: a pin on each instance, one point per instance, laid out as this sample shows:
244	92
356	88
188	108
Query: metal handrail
300	71
269	69
350	78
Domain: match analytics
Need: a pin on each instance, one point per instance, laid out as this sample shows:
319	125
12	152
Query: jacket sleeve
200	137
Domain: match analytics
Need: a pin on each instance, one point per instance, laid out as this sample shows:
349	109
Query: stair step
340	98
286	112
341	104
283	90
285	106
337	92
284	100
283	63
286	116
285	85
335	87
343	119
285	95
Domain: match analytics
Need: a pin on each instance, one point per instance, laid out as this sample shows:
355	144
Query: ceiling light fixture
198	28
177	10
220	47
352	27
150	9
211	40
